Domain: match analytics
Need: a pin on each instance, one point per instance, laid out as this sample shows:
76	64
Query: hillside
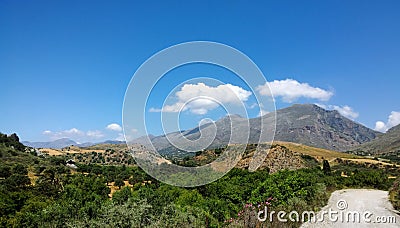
104	154
56	144
314	126
383	144
44	191
282	155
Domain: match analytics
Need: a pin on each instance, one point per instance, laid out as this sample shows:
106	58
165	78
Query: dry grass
78	150
115	188
367	160
32	177
70	150
317	153
51	152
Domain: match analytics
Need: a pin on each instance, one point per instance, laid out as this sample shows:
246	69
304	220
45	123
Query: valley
302	168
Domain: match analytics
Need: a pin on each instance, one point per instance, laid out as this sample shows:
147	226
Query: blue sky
65	65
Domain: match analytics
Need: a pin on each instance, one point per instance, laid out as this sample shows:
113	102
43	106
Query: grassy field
318	153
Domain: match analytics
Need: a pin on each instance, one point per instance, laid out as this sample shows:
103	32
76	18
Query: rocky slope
388	143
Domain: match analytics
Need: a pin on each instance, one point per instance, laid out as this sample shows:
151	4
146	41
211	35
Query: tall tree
326	168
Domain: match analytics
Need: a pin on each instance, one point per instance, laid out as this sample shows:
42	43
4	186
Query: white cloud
380	126
253	106
74	134
345	110
96	134
393	120
290	90
120	137
114	127
155	110
130	134
71	133
200	98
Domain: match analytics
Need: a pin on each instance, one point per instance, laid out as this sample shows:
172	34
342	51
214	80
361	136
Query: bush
119	183
394	194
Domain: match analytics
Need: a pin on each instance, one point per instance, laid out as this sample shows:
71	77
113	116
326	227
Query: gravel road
373	207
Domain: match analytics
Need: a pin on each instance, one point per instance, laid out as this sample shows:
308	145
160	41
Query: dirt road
357	208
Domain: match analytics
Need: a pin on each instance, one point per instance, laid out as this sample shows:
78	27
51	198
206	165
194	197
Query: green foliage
59	198
123	195
373	178
5	171
285	185
394	194
17	181
11	141
19	169
119	183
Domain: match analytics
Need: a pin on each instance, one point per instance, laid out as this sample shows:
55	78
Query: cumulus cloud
71	133
120	137
200	98
114	127
345	110
290	90
74	134
393	120
380	126
96	134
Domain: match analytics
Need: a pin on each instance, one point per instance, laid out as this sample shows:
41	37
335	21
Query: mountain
117	142
64	142
312	125
383	144
143	140
56	144
306	124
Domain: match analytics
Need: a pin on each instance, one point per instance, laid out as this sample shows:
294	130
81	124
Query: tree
326	168
19	169
5	171
122	196
97	169
14	137
17	180
119	183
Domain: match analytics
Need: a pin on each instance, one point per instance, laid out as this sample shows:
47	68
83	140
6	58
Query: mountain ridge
64	142
383	144
306	124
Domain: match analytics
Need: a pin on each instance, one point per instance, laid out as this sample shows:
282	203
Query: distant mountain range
64	142
306	124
